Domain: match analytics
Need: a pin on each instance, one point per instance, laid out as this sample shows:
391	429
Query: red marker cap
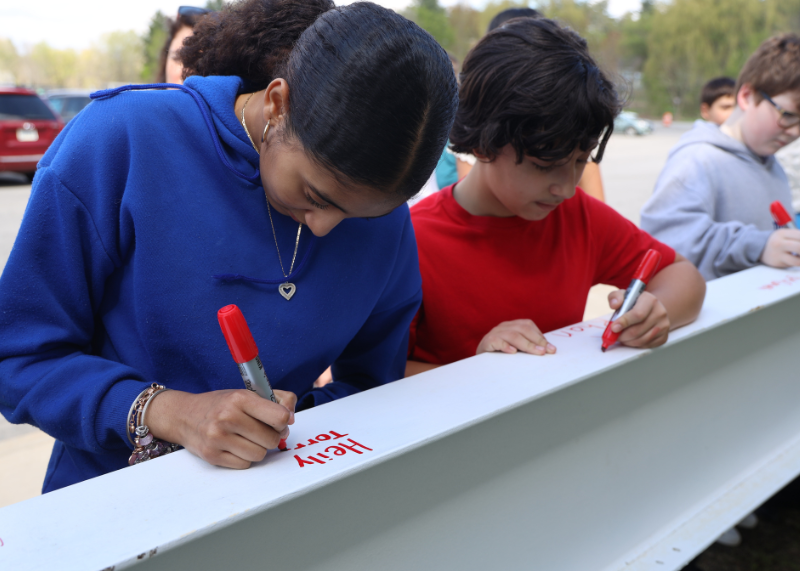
779	213
648	266
237	334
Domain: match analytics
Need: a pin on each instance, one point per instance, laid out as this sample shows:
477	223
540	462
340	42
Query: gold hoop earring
264	134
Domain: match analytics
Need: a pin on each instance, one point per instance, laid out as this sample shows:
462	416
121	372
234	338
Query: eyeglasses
192	11
787	119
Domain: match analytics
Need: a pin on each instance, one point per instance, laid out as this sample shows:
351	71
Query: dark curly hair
371	95
533	84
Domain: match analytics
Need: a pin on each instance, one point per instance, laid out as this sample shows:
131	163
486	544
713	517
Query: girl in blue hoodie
275	180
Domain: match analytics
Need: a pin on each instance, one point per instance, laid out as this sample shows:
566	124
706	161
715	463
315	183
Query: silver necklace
286	289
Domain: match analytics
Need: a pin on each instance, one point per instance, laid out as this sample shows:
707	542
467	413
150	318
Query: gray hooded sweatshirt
711	201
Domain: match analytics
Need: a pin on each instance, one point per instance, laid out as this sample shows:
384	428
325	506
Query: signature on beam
788	280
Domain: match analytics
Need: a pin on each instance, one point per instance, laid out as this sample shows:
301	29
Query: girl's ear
276	101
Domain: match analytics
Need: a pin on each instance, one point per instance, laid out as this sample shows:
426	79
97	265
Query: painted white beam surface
579	461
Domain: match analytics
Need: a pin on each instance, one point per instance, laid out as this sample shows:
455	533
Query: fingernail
616	328
551	348
291	417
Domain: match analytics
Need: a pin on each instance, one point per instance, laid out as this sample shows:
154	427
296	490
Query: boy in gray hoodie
711	201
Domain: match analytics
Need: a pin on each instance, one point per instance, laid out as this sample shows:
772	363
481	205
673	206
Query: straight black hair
511	13
532	83
716	88
372	96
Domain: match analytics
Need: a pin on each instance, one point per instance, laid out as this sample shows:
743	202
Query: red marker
641	278
781	217
245	354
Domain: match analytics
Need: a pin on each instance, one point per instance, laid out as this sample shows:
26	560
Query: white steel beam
579	461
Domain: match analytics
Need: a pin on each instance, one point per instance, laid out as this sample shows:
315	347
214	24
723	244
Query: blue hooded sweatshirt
711	201
136	233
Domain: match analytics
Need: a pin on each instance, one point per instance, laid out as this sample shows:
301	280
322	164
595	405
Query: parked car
27	127
68	102
630	123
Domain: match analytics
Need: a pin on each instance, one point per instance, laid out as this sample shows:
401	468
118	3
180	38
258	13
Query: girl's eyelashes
316	204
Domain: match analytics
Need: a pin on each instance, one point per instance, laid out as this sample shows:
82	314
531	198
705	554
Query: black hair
716	88
533	84
372	96
507	15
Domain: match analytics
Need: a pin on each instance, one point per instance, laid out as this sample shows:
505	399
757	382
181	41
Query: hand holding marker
245	354
641	278
781	217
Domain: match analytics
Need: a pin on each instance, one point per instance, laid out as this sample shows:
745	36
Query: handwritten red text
340	448
578	329
788	280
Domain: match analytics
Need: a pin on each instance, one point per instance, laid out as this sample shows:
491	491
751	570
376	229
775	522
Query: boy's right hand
513	336
229	428
782	249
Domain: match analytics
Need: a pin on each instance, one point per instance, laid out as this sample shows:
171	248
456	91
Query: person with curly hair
276	179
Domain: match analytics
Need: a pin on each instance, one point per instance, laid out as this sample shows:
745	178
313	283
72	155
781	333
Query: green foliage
593	23
692	41
153	44
121	56
432	18
52	67
674	46
635	29
467	29
9	62
494	7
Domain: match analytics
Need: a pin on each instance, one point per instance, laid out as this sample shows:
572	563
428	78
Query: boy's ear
746	97
704	109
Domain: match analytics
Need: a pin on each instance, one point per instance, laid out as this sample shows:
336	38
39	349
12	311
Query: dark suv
27	127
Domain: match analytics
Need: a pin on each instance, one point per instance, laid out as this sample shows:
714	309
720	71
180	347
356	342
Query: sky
78	23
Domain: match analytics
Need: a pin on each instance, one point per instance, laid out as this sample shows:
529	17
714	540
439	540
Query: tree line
661	55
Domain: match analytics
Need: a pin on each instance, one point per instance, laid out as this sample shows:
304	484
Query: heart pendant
287	290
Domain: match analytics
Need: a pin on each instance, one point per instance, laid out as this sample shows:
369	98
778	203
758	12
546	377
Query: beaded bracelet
146	446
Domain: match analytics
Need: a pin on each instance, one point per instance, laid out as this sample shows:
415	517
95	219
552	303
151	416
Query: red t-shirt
478	271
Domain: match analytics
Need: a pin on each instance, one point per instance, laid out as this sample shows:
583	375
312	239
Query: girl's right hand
518	335
230	428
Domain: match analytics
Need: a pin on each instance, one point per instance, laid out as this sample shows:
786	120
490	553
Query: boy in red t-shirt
512	250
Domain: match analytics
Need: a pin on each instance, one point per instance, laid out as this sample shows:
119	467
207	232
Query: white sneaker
749	522
731	538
